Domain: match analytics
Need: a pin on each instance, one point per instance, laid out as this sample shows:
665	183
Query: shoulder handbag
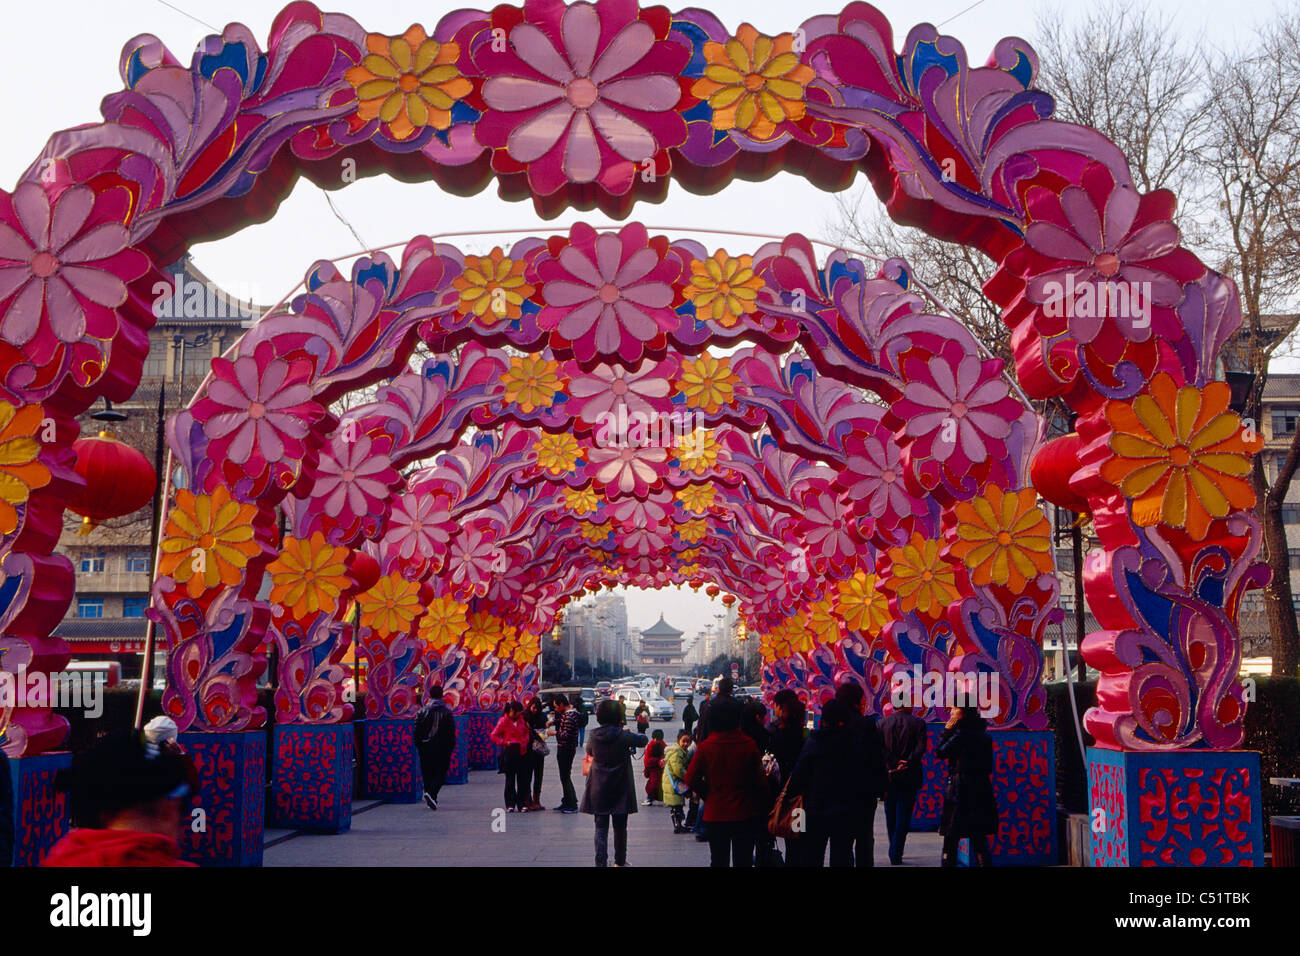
539	746
780	822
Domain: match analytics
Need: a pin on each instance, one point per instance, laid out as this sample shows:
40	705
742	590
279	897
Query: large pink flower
609	294
419	528
828	531
260	406
1100	234
631	470
583	94
610	392
470	560
353	479
650	511
958	409
874	475
67	262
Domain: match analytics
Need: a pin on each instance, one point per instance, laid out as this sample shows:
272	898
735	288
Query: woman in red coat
653	762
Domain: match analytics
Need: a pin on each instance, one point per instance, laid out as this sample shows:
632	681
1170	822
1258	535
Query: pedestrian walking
652	765
642	714
435	739
673	789
831	778
125	795
724	687
689	715
609	795
904	737
871	752
970	809
512	735
535	717
566	728
727	771
786	734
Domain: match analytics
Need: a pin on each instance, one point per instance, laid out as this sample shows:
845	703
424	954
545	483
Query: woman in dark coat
535	717
830	775
610	794
969	807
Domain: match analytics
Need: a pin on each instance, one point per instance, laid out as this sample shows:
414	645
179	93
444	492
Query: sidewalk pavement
462	833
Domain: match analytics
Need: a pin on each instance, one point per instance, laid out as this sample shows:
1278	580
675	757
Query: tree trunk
1284	633
1284	629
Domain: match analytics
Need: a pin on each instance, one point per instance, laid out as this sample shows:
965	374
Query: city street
467	830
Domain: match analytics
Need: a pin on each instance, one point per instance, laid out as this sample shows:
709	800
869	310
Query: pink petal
578	322
67	317
655	93
609	254
562	293
14	246
653	295
102	288
580	29
579	265
535	137
69	215
535	48
625	51
581	152
514	93
624	135
33	208
24	315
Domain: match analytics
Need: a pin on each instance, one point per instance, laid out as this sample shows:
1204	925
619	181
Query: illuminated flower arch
918	529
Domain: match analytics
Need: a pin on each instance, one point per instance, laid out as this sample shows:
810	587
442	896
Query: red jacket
727	770
508	732
114	848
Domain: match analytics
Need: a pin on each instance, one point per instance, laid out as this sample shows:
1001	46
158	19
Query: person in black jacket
904	737
689	715
435	739
871	752
969	807
609	795
6	813
831	777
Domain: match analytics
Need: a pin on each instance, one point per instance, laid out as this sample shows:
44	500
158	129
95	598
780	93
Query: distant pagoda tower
661	647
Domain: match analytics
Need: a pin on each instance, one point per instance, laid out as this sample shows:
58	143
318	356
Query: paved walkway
461	833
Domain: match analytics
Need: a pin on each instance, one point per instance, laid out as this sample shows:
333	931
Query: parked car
660	709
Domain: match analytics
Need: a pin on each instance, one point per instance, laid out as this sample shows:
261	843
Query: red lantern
119	480
728	599
712	590
696	583
365	569
1052	468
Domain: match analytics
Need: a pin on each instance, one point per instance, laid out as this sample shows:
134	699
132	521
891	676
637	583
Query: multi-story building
113	560
661	648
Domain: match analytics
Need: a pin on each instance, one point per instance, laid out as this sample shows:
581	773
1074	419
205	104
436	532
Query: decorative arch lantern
862	540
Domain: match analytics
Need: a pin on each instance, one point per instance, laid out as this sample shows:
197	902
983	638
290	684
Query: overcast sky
63	59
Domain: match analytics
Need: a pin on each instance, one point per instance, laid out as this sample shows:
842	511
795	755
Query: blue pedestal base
458	769
223	825
1024	786
390	767
1185	808
476	728
311	777
40	811
929	802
